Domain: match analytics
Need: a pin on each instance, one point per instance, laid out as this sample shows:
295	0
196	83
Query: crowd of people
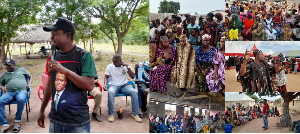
255	21
238	115
180	50
272	76
187	124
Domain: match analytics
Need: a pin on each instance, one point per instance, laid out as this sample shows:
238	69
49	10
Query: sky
192	6
241	46
227	94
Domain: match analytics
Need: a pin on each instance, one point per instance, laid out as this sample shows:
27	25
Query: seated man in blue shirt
13	86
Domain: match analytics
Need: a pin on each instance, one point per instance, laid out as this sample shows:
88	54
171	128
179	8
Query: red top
277	19
248	23
264	111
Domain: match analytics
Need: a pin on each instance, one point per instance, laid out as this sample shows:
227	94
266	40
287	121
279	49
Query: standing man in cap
13	87
79	69
256	75
265	114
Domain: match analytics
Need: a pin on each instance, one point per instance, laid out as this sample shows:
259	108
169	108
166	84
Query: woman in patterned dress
216	78
184	71
204	60
165	58
211	28
269	28
247	31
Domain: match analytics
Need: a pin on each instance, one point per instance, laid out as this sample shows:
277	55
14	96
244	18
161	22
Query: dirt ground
233	86
255	125
124	125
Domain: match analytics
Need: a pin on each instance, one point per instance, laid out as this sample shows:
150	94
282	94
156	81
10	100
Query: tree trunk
91	50
84	44
3	51
114	44
20	49
26	51
119	51
14	46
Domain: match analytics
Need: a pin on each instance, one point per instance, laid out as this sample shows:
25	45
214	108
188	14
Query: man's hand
4	90
28	86
247	55
55	65
105	88
40	120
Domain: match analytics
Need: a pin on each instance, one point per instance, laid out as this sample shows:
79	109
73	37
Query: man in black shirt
69	110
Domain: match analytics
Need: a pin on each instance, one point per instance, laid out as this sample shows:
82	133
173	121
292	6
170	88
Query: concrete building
239	98
165	103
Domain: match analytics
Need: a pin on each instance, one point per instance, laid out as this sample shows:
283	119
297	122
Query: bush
99	57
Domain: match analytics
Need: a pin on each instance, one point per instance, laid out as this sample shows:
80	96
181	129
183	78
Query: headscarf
162	38
256	52
219	16
165	16
152	120
211	15
168	30
250	15
206	36
290	13
184	36
237	22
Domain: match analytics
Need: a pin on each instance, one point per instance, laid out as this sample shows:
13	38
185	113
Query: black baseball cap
61	24
9	62
265	99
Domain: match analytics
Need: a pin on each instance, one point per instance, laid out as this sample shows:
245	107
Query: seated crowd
255	21
184	52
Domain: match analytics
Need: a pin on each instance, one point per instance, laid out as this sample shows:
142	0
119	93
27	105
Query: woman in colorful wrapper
204	60
165	58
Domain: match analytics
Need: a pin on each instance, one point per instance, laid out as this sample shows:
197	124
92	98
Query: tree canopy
169	7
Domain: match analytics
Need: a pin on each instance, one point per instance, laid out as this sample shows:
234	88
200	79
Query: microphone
53	50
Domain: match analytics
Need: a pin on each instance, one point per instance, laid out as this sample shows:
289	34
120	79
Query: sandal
16	129
4	130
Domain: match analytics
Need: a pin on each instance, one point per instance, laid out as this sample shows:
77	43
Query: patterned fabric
269	35
184	71
249	35
158	77
202	57
257	79
258	36
281	78
194	40
215	86
211	30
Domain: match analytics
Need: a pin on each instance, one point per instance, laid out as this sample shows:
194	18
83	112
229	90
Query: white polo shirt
118	75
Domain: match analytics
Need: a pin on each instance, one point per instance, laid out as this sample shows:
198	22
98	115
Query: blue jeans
298	130
265	120
68	128
294	124
8	98
128	90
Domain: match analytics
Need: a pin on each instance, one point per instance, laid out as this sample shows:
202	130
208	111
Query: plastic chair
162	128
26	101
42	87
121	94
285	119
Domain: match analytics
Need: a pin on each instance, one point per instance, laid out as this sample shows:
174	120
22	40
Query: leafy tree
279	100
169	7
13	14
196	13
116	17
75	12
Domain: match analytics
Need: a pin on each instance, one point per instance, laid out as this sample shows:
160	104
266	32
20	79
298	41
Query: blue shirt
202	57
